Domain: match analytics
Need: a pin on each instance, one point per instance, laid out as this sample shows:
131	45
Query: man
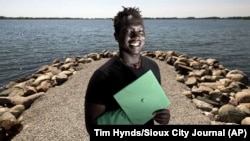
120	71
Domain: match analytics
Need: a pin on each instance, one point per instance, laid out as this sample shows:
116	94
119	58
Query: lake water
26	45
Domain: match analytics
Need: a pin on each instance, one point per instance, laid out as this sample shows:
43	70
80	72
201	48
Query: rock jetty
222	94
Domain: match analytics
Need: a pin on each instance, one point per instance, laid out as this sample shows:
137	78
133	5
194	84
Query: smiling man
119	71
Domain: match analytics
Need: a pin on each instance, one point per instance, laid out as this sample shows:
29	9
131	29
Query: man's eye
141	31
127	31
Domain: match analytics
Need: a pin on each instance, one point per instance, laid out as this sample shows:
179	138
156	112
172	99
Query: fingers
162	111
162	116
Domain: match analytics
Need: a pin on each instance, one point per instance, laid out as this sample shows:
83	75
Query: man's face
131	37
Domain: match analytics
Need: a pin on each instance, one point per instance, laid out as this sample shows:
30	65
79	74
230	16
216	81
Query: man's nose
135	34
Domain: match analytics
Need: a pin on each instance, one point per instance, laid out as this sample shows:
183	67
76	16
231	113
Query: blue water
26	45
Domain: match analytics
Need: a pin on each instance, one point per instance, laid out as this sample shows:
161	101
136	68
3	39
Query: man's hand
162	116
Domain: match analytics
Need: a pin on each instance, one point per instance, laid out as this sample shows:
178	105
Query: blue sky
108	8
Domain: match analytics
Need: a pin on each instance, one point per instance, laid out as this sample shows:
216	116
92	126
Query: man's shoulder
148	61
109	65
147	58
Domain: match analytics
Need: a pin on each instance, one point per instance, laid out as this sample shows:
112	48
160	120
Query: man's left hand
162	116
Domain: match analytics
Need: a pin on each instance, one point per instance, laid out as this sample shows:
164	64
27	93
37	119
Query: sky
109	8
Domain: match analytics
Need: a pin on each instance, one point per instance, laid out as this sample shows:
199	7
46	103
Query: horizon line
189	17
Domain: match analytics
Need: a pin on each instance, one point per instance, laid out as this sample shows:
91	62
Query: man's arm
92	112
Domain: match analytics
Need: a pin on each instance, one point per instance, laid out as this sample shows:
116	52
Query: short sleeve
97	88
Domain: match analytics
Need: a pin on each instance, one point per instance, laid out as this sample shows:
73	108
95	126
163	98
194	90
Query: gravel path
59	115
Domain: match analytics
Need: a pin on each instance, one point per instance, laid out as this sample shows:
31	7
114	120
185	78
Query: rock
7	120
10	85
69	60
188	94
94	56
243	97
245	121
234	87
220	98
170	53
205	89
29	90
180	78
6	92
229	113
2	134
84	60
105	54
222	123
16	91
42	69
202	105
54	70
66	66
56	61
213	85
199	73
237	75
209	115
224	99
195	65
225	81
208	100
3	110
183	61
30	82
182	68
215	110
26	101
89	60
21	79
150	54
9	126
4	100
170	60
44	86
196	91
17	110
212	62
61	78
68	73
57	65
20	85
183	56
79	67
191	81
41	78
209	78
244	107
233	102
218	72
114	53
160	55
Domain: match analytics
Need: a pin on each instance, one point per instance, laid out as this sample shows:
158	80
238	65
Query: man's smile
135	43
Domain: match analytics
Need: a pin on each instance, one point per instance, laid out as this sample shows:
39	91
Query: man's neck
129	59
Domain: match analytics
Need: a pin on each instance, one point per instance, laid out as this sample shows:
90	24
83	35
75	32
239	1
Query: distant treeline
63	18
245	18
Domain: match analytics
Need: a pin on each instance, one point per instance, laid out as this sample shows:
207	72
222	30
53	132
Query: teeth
135	43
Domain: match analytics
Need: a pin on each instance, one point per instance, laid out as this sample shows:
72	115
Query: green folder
140	99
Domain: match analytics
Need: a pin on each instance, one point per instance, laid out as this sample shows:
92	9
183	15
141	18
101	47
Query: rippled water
25	45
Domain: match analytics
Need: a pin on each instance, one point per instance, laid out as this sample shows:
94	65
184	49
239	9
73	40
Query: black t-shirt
112	77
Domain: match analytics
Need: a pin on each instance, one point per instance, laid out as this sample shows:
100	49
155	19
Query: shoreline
146	18
214	90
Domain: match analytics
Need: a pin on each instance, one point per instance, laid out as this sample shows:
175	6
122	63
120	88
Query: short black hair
134	11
